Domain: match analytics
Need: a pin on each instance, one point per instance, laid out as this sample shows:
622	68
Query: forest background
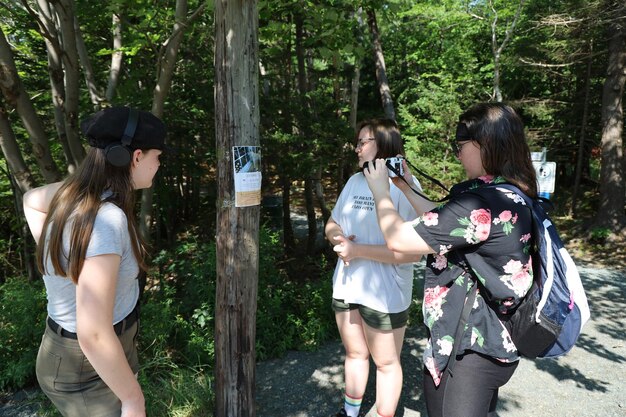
323	65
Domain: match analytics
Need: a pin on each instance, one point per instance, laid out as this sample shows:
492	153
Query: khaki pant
68	379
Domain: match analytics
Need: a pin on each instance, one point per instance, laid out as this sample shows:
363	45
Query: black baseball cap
108	126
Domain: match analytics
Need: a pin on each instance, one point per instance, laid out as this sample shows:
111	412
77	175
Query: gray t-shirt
110	236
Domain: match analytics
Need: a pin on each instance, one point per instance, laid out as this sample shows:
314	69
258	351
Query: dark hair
499	131
388	139
76	205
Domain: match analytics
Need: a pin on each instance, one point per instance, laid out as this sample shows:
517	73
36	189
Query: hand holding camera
394	166
377	176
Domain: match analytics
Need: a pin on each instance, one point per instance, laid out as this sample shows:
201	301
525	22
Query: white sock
352	405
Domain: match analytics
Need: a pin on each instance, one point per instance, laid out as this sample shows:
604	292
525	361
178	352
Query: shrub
599	235
22	317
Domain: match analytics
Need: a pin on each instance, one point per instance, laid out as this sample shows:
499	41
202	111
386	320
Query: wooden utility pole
236	124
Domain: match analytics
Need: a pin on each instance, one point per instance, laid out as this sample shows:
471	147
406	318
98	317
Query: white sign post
546	173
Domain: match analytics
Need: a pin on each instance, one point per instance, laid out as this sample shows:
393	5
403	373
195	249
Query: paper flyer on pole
247	167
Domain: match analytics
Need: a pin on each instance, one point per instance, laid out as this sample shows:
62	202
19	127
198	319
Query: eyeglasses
457	147
361	142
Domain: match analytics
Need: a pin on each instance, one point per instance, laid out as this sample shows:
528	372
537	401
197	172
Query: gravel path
589	381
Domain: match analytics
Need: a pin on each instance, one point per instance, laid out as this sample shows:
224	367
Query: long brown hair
387	136
76	205
500	132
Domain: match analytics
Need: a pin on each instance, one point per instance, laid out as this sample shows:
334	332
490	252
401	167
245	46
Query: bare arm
95	296
36	204
348	250
332	230
399	235
419	203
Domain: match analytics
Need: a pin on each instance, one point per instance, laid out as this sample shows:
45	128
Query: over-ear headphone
119	153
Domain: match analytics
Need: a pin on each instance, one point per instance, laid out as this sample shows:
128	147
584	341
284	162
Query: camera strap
425	175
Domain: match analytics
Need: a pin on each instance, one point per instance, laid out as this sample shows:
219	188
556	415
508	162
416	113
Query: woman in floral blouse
482	233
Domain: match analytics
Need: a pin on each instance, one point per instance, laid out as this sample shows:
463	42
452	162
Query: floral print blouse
489	228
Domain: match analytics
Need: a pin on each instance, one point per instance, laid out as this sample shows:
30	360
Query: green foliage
293	315
178	308
599	235
175	390
11	262
181	305
22	317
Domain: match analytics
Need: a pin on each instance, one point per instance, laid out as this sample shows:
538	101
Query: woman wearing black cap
90	254
482	234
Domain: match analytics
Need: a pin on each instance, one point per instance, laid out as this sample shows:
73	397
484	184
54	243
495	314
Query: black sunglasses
458	147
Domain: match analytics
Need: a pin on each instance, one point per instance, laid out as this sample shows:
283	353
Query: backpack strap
545	204
460	328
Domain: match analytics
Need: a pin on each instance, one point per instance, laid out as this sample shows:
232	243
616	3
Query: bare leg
356	366
385	347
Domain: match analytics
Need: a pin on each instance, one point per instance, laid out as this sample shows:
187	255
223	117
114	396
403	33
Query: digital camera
394	163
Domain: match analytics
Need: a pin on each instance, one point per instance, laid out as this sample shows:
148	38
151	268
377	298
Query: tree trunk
289	241
310	216
17	166
611	210
21	181
15	95
65	13
236	124
29	246
55	71
116	58
573	211
496	49
381	72
319	195
354	94
305	131
497	92
166	66
347	148
90	79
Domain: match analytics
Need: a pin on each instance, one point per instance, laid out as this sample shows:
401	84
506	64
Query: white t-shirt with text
383	287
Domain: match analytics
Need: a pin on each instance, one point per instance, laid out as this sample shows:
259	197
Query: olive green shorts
68	379
373	318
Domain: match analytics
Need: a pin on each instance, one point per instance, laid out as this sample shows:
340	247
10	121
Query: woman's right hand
377	177
134	408
345	248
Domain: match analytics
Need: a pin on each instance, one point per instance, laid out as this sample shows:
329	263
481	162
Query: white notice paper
247	168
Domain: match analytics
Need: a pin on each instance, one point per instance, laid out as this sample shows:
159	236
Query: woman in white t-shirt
90	254
372	285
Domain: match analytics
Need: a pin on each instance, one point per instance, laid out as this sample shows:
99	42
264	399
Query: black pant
472	392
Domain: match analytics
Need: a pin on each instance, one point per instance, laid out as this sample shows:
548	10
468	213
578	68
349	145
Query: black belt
119	328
